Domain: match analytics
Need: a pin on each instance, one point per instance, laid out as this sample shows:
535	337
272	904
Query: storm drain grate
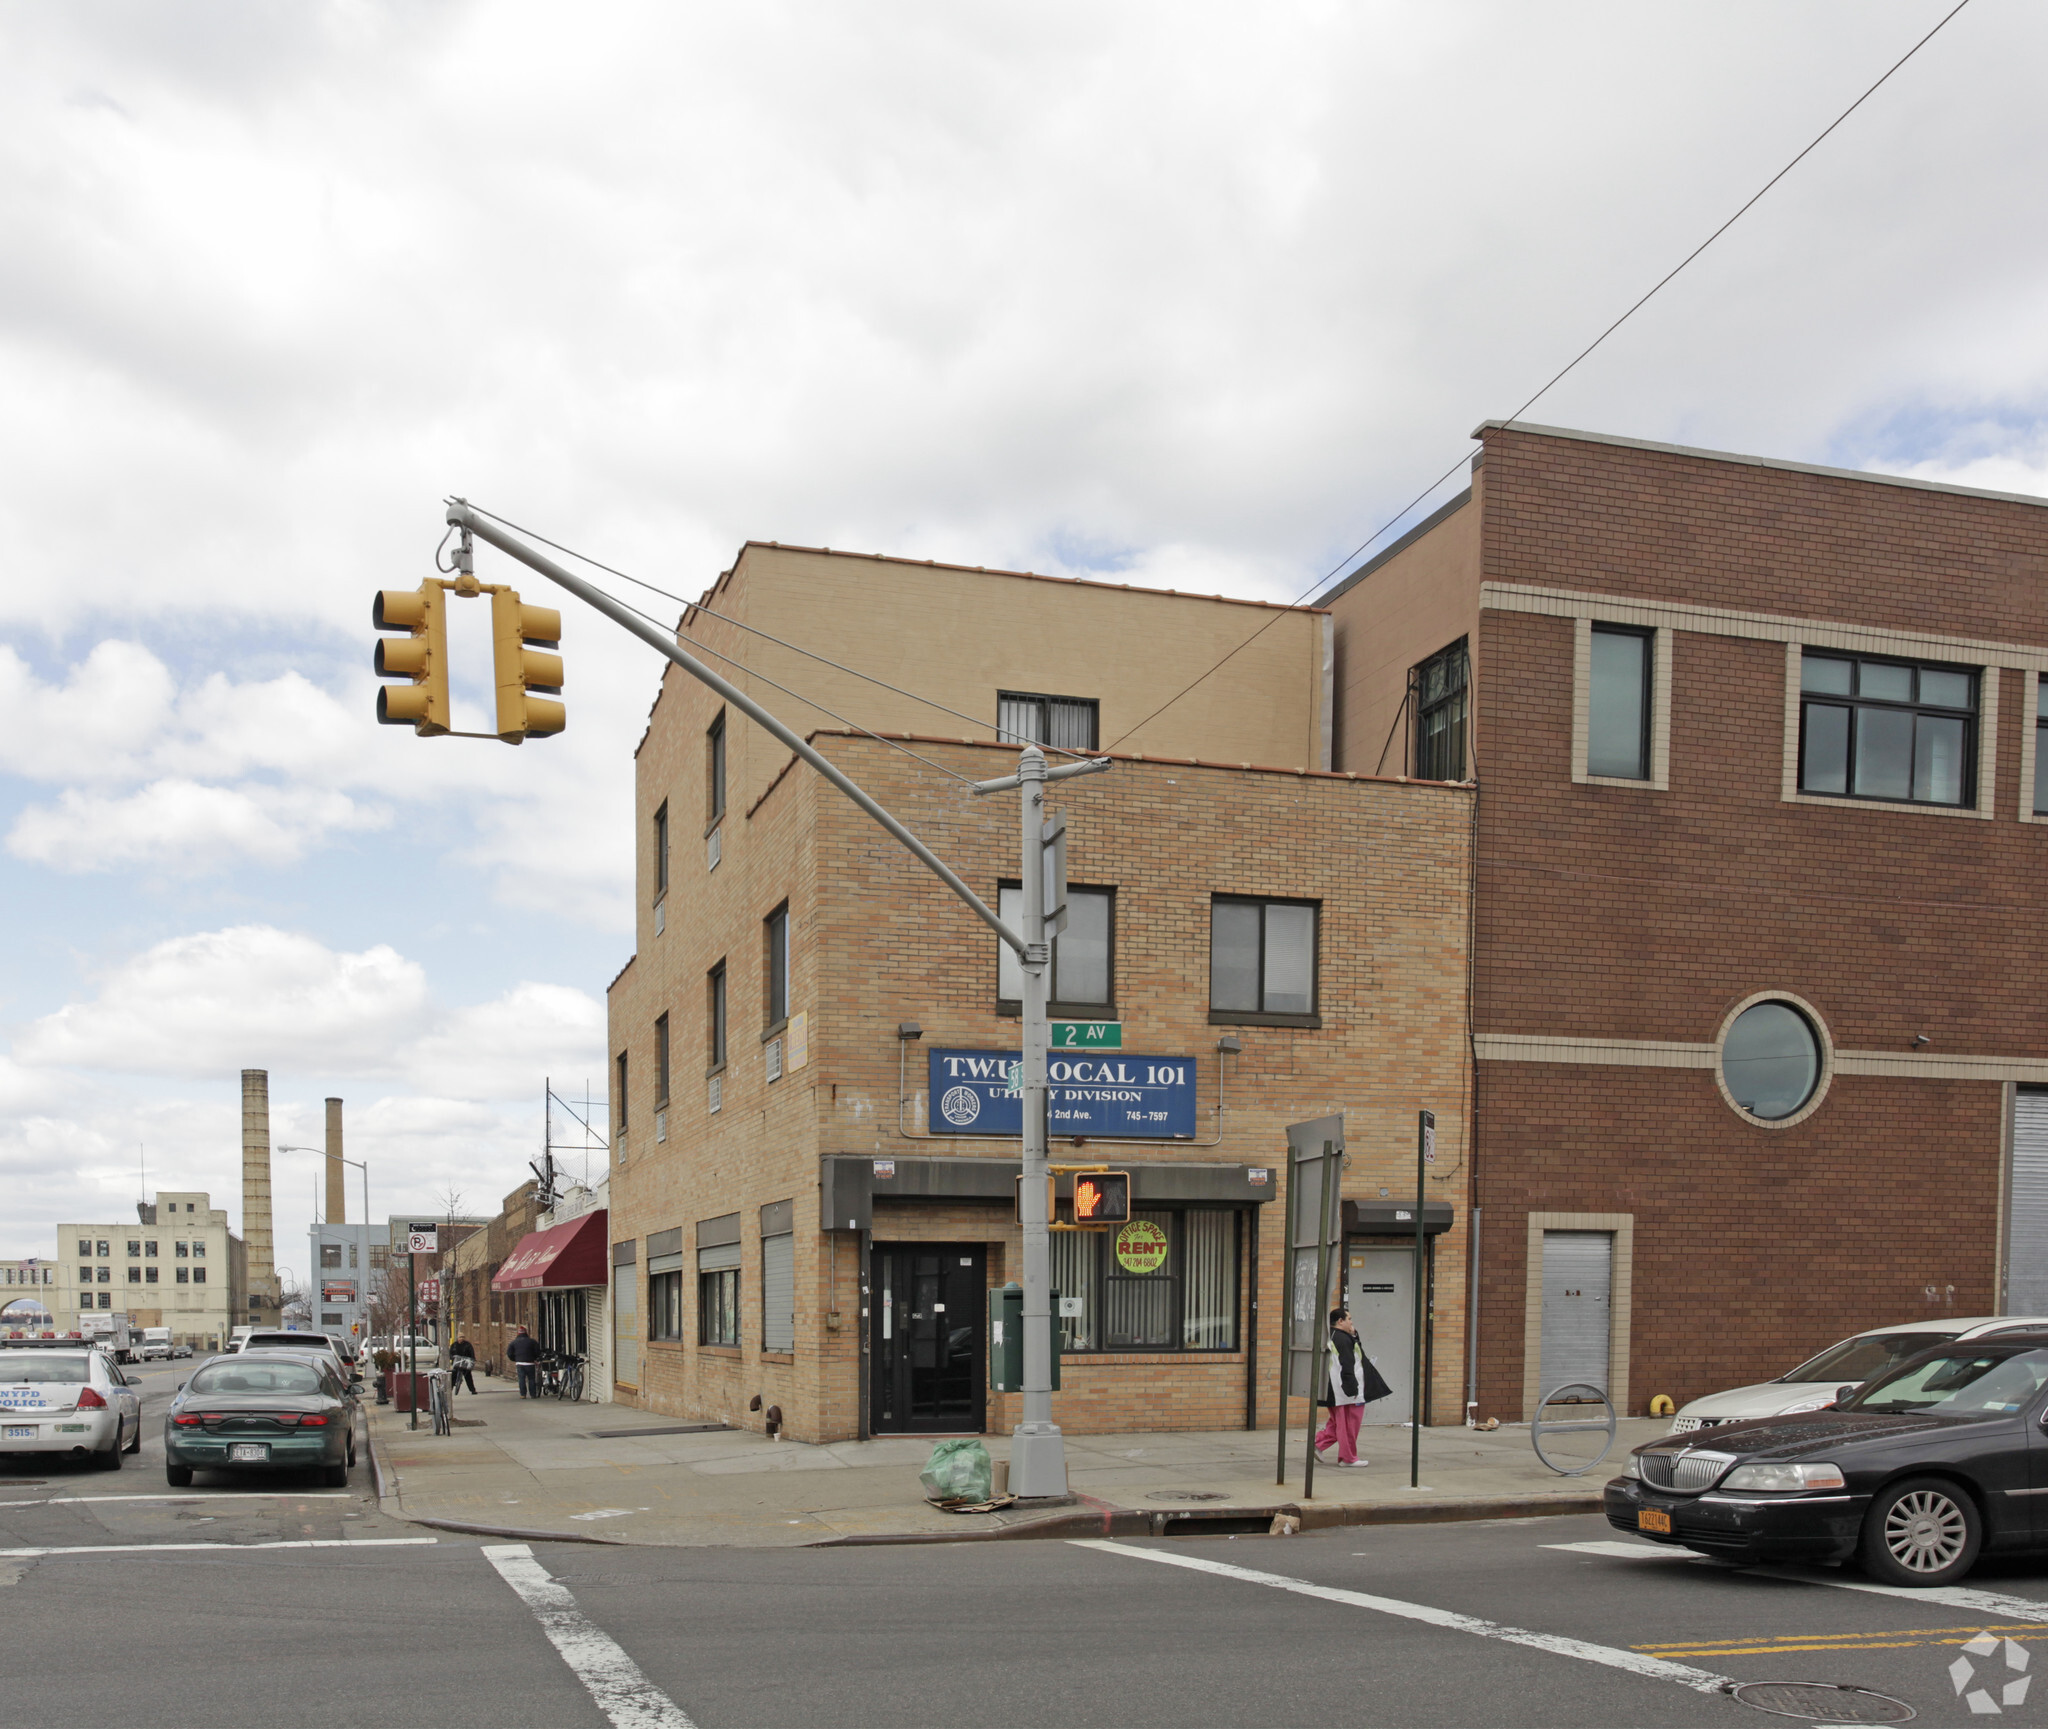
1823	1702
1188	1495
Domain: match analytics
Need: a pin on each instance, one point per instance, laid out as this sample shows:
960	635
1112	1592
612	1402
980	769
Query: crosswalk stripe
228	1548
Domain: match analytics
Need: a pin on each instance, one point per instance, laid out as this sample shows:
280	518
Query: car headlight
1781	1477
1820	1403
1634	1468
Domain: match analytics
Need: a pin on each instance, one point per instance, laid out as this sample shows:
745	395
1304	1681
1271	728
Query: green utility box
1006	1339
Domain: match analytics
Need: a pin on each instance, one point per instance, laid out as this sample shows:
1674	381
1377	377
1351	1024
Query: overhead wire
755	630
1559	376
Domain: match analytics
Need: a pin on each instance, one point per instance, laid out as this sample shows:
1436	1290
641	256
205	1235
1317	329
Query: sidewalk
607	1472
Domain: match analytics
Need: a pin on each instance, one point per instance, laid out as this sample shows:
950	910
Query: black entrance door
928	1305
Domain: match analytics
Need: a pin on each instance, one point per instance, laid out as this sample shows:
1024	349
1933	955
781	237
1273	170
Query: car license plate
21	1432
1648	1519
259	1451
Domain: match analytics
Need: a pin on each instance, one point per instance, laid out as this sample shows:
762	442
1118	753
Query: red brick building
1757	998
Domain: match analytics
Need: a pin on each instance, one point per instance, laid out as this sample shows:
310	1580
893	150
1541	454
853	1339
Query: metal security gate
1578	1308
2026	1219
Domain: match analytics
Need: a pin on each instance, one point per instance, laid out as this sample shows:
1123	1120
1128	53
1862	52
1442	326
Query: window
184	1275
619	1087
714	768
1262	960
106	1275
149	1275
1439	685
1064	722
135	1248
183	1250
1770	1060
660	1061
716	1016
718	1294
1887	730
199	1275
84	1249
1083	955
149	1248
105	1250
198	1251
778	965
661	851
330	1255
106	1298
2041	741
1165	1282
135	1275
778	1277
1618	703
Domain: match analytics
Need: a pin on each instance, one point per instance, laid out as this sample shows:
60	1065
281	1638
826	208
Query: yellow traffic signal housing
518	631
1102	1198
421	655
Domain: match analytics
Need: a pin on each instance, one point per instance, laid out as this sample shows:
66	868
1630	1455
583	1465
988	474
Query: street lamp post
363	1281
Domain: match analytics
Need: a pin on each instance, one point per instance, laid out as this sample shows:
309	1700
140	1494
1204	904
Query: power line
755	630
1559	376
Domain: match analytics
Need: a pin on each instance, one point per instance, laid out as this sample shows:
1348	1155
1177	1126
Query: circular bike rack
1569	1396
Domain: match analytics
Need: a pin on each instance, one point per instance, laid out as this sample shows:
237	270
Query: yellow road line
2031	1628
1780	1643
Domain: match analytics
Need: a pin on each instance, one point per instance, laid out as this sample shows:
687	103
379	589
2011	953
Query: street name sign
1087	1035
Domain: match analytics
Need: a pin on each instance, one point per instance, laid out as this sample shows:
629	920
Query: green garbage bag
957	1471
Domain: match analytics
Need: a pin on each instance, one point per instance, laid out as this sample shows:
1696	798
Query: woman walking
1354	1383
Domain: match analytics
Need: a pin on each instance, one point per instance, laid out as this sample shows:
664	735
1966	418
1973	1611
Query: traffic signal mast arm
461	516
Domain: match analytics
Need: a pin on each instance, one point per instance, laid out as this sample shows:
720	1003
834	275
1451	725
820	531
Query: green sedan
262	1411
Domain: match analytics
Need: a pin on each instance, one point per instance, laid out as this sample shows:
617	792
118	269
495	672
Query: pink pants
1342	1430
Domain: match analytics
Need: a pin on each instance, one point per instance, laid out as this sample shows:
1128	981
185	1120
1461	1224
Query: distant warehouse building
815	1147
1761	809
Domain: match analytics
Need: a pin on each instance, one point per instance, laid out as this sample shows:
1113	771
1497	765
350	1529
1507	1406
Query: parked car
261	1411
279	1340
181	1350
1914	1474
1854	1360
74	1401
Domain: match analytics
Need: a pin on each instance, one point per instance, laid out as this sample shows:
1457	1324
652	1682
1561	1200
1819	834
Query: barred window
1063	722
1440	684
1166	1282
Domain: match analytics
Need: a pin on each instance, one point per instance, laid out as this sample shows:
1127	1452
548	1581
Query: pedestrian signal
517	632
1102	1198
421	655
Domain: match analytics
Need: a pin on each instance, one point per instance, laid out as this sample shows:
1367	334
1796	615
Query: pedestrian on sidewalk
461	1367
1354	1383
524	1351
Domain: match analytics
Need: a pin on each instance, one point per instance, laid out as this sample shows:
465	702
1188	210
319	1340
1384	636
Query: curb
1133	1522
389	1504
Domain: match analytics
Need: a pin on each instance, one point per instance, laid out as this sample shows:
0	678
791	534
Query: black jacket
525	1348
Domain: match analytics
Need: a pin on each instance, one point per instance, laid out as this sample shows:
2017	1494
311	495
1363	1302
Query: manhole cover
1188	1495
1823	1702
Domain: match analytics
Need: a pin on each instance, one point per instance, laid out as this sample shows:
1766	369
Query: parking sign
422	1239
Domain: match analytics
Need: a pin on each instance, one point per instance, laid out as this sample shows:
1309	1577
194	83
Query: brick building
1757	1005
796	1229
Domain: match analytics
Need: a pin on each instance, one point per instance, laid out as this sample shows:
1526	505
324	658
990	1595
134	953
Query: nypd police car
70	1400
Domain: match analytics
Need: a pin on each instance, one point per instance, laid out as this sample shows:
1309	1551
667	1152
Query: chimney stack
337	1172
256	1227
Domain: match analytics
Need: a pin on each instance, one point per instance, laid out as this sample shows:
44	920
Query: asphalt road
1532	1622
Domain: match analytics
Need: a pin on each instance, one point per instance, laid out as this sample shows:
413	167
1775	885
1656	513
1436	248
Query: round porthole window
1771	1061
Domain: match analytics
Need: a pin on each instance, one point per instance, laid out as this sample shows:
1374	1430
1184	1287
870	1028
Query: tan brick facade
877	942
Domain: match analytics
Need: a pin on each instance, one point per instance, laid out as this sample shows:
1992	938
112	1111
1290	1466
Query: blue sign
1090	1093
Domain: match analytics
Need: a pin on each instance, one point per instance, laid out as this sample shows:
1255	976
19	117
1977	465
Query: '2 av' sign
1090	1093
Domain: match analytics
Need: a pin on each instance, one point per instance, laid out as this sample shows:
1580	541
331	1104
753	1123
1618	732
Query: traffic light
421	655
517	631
1102	1198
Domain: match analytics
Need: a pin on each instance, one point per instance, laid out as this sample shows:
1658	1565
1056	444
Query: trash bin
408	1392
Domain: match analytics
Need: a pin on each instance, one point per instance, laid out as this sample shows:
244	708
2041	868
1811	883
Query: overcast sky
1190	293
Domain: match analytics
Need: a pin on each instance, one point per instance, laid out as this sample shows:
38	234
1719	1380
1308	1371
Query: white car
1816	1382
72	1400
313	1344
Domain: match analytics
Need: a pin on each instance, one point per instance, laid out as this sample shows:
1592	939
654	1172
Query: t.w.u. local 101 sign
1099	1093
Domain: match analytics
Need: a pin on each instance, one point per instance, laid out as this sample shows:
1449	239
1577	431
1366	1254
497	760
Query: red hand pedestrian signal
1102	1198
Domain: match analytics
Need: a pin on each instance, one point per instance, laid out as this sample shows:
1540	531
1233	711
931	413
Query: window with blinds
1187	1302
1063	722
2026	1230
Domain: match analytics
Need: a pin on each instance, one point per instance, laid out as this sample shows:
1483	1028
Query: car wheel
111	1459
335	1476
135	1446
178	1476
1923	1531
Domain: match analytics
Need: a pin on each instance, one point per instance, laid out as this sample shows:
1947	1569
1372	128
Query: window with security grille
1060	722
1439	684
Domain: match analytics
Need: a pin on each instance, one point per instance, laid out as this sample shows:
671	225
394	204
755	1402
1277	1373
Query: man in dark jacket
461	1366
525	1352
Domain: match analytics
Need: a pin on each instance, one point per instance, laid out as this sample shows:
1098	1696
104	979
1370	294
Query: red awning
559	1257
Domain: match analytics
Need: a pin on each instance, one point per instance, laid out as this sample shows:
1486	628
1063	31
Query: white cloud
247	997
180	826
504	1048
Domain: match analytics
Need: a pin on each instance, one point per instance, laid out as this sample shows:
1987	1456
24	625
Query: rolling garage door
2026	1228
1578	1285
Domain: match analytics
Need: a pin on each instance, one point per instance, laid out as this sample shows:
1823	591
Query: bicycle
561	1377
438	1403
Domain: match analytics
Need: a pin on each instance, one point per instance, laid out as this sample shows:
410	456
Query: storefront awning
562	1256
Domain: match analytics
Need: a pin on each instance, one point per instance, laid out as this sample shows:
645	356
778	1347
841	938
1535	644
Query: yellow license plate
1649	1519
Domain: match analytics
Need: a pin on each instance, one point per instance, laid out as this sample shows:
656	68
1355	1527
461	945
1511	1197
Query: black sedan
265	1411
1913	1474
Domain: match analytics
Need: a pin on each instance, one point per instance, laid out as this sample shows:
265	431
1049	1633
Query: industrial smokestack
337	1202
256	1229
